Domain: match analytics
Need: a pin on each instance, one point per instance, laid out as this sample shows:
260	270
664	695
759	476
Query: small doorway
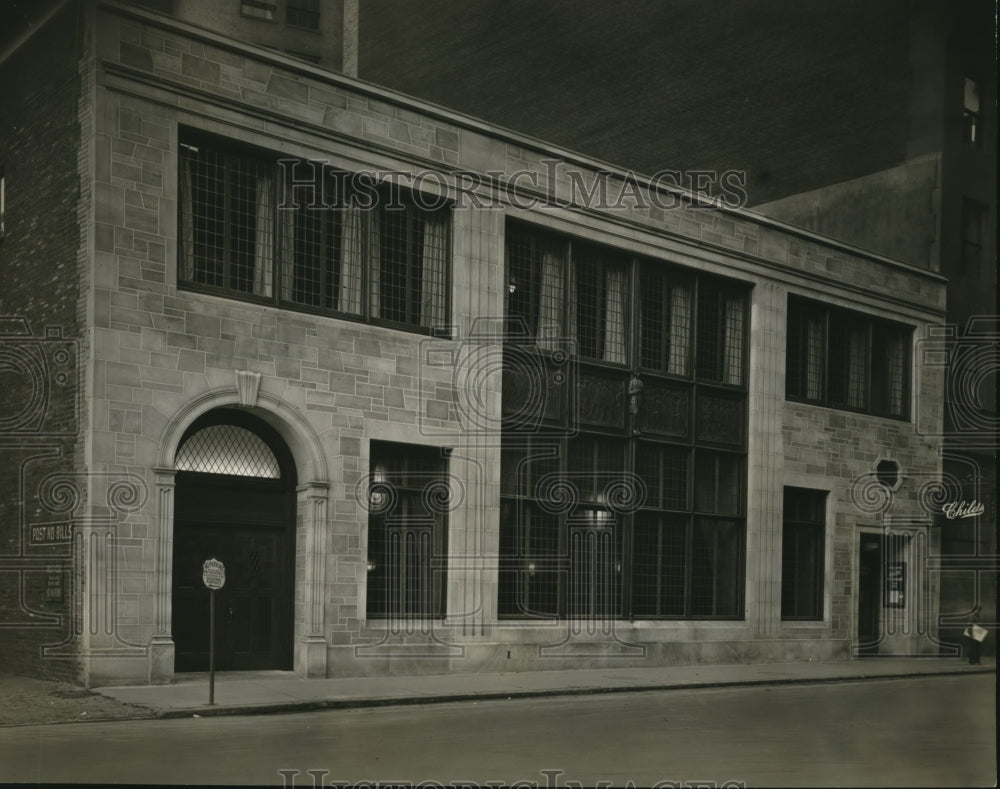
235	502
869	593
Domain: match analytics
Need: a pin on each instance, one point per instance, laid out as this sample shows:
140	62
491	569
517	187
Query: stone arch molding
295	431
310	648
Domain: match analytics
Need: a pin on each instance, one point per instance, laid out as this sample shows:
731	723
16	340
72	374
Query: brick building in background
871	123
440	396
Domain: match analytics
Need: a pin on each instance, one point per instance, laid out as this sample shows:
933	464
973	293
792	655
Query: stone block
200	69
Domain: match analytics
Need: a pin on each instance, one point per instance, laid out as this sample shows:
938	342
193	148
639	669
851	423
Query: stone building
441	397
871	123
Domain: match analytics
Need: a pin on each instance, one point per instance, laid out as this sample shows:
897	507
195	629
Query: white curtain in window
263	263
187	218
614	316
732	372
550	299
814	360
895	369
857	383
680	329
435	255
349	285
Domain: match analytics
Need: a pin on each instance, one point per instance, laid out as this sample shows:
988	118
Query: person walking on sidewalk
975	635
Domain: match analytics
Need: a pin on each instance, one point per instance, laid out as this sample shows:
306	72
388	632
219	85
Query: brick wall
795	95
39	146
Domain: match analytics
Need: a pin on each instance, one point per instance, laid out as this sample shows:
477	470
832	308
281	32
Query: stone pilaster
161	646
765	463
311	653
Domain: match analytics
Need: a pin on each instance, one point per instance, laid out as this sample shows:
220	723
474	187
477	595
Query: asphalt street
938	731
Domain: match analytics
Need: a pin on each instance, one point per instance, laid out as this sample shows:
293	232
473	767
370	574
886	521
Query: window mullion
688	565
227	227
409	266
365	251
633	353
827	367
276	271
324	258
569	276
869	363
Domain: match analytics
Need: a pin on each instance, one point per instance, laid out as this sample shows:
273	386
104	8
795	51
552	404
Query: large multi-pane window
802	552
309	237
845	359
624	493
407	531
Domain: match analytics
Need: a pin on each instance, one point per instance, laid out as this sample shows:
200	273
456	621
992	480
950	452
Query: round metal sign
213	573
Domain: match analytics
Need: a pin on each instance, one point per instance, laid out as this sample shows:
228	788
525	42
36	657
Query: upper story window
259	9
973	233
971	103
845	359
308	237
303	13
561	289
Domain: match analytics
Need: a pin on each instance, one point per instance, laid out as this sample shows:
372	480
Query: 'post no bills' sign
213	573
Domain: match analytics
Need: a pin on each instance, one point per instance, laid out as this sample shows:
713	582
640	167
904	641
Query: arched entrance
234	501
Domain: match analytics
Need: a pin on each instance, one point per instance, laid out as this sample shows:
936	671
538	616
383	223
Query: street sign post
213	575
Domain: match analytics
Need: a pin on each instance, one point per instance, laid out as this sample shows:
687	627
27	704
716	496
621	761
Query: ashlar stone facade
159	355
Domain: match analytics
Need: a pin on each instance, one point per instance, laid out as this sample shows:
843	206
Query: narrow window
227	221
407	531
971	106
409	256
599	306
665	321
721	329
322	245
802	545
536	271
3	202
973	221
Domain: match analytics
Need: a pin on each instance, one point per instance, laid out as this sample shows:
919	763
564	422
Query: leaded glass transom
228	449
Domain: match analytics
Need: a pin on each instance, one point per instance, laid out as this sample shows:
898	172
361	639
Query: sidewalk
279	691
31	700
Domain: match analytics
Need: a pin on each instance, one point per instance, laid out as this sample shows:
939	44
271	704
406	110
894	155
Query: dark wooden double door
245	524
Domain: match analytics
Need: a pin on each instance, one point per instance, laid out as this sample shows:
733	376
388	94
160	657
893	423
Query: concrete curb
307	705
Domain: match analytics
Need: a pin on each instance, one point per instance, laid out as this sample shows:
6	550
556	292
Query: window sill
287	307
845	410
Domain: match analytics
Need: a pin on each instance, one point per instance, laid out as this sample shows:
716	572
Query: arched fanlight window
228	449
